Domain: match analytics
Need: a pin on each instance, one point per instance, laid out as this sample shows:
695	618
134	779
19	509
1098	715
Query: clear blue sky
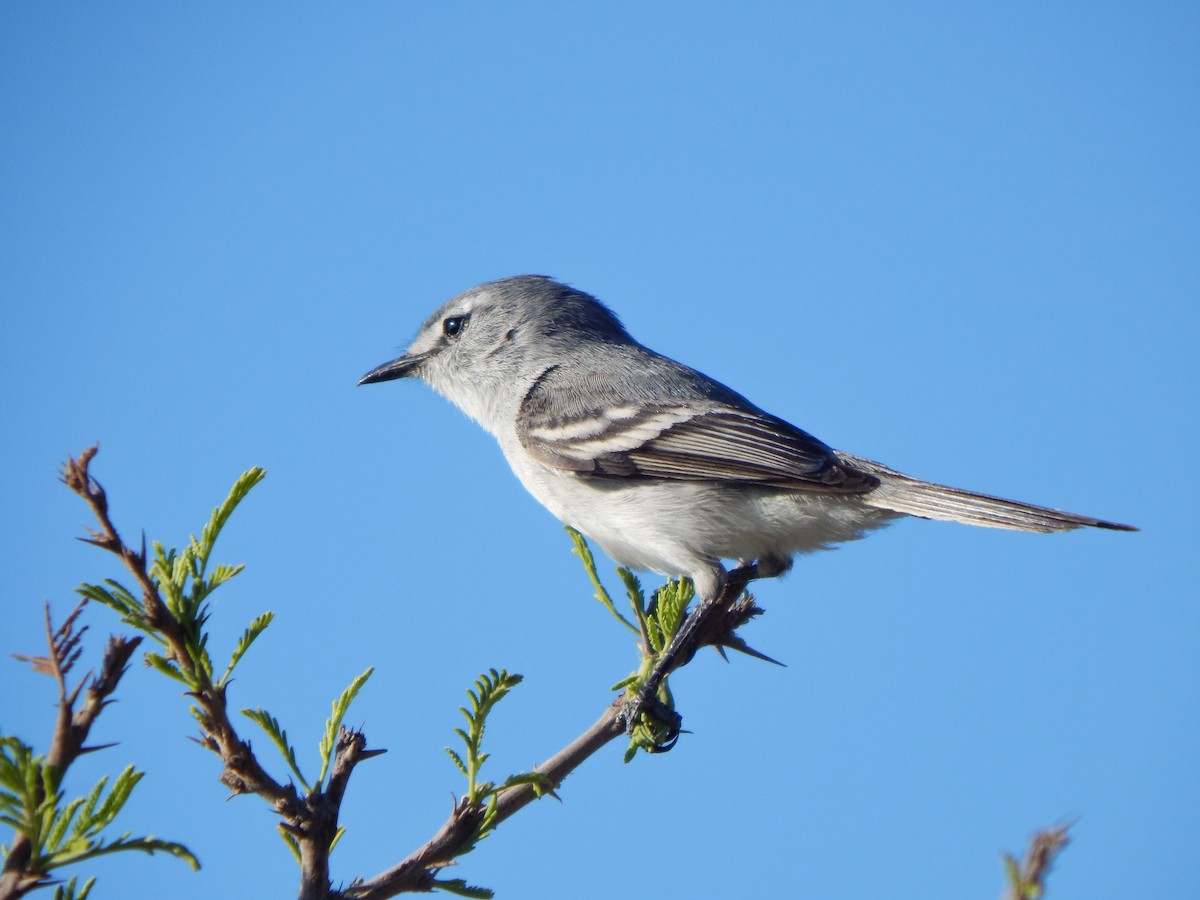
960	241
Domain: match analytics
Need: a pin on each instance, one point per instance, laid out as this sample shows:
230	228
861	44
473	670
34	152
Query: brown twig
71	726
416	873
313	820
1028	877
243	773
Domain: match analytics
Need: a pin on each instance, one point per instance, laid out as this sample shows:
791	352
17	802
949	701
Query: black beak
397	368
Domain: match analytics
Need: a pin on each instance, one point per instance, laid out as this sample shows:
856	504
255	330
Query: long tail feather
904	494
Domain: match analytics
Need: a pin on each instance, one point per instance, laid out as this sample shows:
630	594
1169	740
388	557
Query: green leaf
50	778
255	628
168	668
462	767
489	689
62	820
292	844
221	574
68	892
633	587
673	600
116	798
115	597
624	683
147	845
93	800
329	740
208	537
584	553
180	579
278	736
540	783
460	888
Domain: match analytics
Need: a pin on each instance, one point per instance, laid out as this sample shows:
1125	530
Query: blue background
962	241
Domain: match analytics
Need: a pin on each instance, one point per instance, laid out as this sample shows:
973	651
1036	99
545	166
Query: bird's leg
680	651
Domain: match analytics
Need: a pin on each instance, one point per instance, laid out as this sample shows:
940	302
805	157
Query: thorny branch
71	726
243	773
416	872
312	820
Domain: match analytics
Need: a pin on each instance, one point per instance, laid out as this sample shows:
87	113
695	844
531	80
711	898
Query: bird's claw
651	722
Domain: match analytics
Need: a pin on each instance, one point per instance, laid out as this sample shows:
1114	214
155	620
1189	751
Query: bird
663	467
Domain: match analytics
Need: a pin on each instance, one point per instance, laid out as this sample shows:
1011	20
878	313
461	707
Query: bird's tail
904	494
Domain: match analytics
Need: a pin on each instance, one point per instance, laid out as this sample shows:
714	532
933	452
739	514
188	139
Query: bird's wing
703	438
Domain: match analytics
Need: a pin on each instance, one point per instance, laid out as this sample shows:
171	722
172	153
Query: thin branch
313	820
71	727
416	873
1028	877
351	749
75	475
243	773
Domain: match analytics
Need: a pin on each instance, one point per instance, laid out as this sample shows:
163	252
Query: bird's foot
651	723
654	724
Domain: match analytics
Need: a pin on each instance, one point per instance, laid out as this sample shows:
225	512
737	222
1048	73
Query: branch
75	475
312	820
417	872
71	729
1027	879
243	773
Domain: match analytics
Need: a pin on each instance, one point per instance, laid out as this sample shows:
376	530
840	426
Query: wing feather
700	440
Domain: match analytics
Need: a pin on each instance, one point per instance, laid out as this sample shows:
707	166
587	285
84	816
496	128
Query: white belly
684	527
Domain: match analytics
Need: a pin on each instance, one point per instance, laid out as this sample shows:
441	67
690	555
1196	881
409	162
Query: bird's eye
453	326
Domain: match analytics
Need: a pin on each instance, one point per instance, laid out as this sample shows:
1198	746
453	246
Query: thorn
74	695
736	643
83	750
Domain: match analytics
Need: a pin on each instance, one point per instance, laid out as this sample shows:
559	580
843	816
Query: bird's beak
402	367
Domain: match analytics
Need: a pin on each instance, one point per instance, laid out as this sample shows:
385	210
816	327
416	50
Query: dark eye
453	326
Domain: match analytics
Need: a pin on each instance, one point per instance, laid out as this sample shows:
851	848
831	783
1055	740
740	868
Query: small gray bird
663	467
